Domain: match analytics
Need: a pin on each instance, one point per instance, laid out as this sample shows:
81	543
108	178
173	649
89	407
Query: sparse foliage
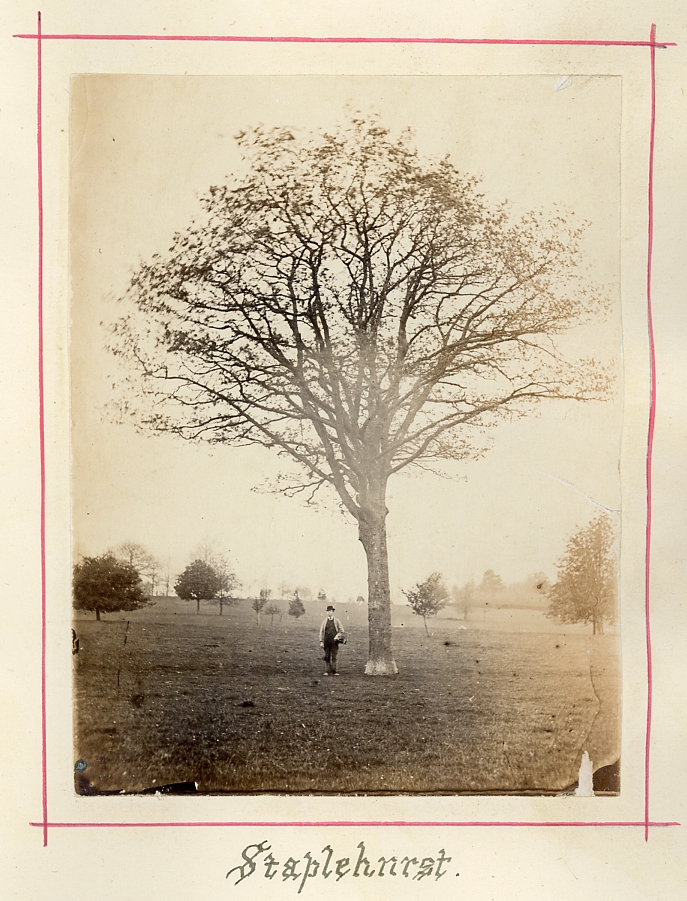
272	611
296	608
586	588
261	602
106	585
147	566
198	582
427	598
228	581
359	310
166	575
464	597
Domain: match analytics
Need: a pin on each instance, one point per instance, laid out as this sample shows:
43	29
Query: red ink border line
650	435
266	39
41	427
341	823
39	37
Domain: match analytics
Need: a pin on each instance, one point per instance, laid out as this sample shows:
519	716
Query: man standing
330	628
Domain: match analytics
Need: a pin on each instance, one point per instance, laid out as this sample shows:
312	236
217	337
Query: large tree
586	590
107	585
359	310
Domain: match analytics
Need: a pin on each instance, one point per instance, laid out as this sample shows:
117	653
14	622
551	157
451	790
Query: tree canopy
106	585
586	590
359	310
296	606
198	582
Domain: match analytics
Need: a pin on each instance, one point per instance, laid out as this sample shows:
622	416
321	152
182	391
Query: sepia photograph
346	416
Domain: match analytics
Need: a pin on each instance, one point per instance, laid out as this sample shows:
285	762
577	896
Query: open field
165	696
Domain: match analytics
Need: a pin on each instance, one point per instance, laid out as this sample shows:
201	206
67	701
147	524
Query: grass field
165	696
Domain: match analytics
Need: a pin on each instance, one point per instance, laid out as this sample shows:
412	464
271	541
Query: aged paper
132	133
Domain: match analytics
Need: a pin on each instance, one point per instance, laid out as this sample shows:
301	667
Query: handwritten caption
259	856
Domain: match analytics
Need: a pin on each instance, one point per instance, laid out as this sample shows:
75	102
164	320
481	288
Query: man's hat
329	607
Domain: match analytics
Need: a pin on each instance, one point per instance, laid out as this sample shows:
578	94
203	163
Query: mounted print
346	417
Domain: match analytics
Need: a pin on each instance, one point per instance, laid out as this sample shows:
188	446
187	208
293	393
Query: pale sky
145	148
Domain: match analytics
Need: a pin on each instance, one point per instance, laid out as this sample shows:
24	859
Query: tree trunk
97	614
372	535
424	620
197	606
221	602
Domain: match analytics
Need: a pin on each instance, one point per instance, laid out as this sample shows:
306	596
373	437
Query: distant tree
166	575
133	553
261	602
491	583
205	551
533	592
154	571
529	593
198	582
464	597
321	596
105	584
228	581
428	598
586	589
272	611
296	607
147	566
360	599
